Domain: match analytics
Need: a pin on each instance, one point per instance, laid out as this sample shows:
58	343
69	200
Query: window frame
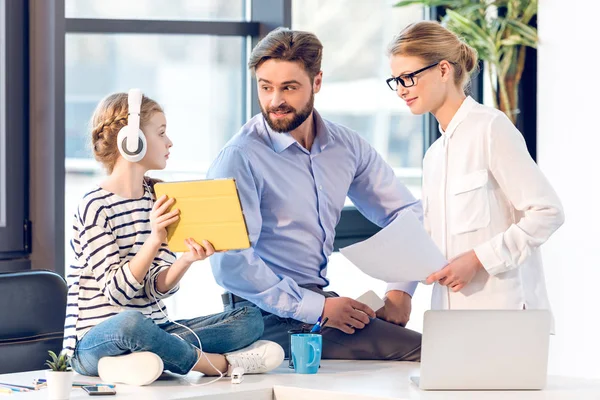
261	17
14	178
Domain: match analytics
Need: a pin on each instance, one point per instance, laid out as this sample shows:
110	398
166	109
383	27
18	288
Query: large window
157	9
14	178
197	80
2	116
355	35
201	81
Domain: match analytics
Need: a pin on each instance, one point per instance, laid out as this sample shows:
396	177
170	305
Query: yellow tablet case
208	209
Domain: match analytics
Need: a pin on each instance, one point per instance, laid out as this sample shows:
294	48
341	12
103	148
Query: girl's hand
160	218
458	273
197	252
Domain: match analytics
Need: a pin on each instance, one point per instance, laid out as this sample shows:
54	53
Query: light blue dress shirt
292	200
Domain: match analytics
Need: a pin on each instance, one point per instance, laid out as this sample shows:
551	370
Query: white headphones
131	141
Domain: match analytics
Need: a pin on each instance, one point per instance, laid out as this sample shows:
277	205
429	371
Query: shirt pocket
469	203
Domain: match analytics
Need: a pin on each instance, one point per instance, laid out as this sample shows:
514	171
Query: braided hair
110	116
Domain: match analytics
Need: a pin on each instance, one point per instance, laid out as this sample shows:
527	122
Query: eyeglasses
406	80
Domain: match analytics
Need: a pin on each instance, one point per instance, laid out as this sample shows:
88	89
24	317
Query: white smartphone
372	300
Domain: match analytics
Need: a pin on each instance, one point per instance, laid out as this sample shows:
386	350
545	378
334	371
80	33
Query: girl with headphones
486	203
116	324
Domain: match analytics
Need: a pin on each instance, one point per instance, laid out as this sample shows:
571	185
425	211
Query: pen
5	390
78	384
323	323
14	386
317	326
14	389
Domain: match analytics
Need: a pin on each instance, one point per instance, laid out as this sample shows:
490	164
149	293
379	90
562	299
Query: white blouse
483	191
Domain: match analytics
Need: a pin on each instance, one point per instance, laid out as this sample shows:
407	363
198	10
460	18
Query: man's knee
414	355
406	344
380	340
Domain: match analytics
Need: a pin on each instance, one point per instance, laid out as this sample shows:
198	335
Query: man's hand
397	308
458	273
346	314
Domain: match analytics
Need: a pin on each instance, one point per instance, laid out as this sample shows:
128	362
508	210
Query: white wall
569	153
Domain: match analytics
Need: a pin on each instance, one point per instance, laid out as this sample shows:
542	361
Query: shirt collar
283	140
465	108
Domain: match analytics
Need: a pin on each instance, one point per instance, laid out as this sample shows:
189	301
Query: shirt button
320	187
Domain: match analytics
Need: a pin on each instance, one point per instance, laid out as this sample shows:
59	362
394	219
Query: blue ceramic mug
306	352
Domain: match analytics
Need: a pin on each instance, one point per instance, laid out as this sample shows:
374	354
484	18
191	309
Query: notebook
208	209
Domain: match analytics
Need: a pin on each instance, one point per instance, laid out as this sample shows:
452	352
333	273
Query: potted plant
500	31
59	377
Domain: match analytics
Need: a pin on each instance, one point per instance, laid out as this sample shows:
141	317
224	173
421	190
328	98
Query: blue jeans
130	331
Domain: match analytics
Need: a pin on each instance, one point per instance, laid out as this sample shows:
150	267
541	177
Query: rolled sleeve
311	307
492	263
406	287
162	261
130	279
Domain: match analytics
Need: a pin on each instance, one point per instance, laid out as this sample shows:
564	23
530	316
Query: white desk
336	380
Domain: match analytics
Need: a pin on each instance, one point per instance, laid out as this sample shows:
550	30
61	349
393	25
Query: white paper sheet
401	252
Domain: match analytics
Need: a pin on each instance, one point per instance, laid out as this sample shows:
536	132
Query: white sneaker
138	369
260	357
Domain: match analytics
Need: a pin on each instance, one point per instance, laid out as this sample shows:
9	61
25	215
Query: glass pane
192	10
2	116
355	35
199	81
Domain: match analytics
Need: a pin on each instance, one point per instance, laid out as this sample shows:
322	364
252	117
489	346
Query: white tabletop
336	380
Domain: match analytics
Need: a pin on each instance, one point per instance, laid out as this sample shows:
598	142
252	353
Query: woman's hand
197	252
458	273
160	219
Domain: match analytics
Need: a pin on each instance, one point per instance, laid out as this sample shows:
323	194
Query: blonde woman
486	203
117	326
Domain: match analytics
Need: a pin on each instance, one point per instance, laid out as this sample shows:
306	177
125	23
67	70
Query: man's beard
288	125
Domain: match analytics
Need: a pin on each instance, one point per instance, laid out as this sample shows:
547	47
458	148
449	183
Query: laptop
484	350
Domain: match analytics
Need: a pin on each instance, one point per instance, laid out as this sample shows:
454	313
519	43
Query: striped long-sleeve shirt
108	231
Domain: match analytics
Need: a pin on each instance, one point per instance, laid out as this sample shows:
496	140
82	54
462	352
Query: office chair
32	316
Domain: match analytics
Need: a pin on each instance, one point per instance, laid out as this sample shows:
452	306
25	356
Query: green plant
500	31
58	363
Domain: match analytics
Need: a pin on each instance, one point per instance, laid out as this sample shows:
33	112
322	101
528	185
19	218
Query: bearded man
293	171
